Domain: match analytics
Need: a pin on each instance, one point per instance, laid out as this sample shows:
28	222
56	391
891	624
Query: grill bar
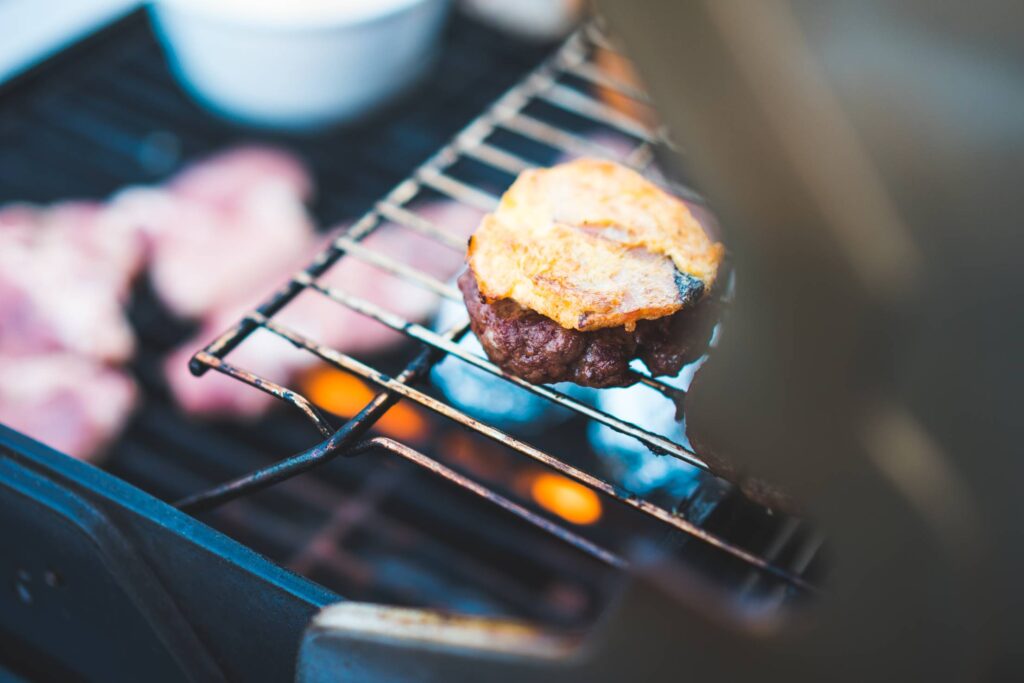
322	452
591	73
335	446
499	158
437	173
422	334
458	190
288	395
403	216
575	101
391	265
451	475
566	142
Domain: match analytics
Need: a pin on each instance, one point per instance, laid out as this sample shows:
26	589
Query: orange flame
345	395
571	501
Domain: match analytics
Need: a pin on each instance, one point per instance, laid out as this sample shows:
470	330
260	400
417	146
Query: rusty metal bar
575	101
458	190
628	499
499	158
546	525
322	452
599	38
589	72
653	441
300	402
409	219
558	138
395	266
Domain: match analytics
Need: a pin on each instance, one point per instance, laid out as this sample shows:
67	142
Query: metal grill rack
107	114
538	113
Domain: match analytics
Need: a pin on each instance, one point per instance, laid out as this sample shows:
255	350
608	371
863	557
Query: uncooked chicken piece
225	177
72	404
221	227
54	295
113	250
80	231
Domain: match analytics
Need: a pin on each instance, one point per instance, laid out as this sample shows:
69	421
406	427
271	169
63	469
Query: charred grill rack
472	169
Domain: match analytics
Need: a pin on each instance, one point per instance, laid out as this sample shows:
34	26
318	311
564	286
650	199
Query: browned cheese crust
592	245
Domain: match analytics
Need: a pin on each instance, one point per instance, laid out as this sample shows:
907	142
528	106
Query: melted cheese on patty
591	244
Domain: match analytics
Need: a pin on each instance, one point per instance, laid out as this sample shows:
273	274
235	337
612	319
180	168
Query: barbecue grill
330	527
475	143
322	545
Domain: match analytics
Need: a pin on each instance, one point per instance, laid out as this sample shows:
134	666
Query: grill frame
440	546
215	576
573	59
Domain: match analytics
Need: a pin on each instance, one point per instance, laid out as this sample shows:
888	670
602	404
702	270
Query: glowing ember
571	501
345	395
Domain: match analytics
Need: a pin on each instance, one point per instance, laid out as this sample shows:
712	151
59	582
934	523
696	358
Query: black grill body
105	582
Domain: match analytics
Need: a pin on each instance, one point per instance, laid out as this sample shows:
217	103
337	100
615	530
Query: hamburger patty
536	348
593	245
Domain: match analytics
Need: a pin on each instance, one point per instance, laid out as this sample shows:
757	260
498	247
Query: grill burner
381	526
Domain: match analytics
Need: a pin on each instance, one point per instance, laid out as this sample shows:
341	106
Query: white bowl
297	64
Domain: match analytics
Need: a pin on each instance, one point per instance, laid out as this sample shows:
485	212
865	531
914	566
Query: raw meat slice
223	178
52	298
72	404
221	227
214	257
81	232
113	250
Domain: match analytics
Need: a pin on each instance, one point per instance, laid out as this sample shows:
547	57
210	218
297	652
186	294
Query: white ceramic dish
297	64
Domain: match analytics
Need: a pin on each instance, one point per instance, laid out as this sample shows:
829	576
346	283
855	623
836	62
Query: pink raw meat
72	404
223	178
220	227
18	222
83	231
323	320
55	295
112	249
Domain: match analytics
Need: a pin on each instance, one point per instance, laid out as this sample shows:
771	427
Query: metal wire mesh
564	82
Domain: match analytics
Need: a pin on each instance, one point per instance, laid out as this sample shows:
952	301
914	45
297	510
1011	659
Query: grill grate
553	109
428	545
